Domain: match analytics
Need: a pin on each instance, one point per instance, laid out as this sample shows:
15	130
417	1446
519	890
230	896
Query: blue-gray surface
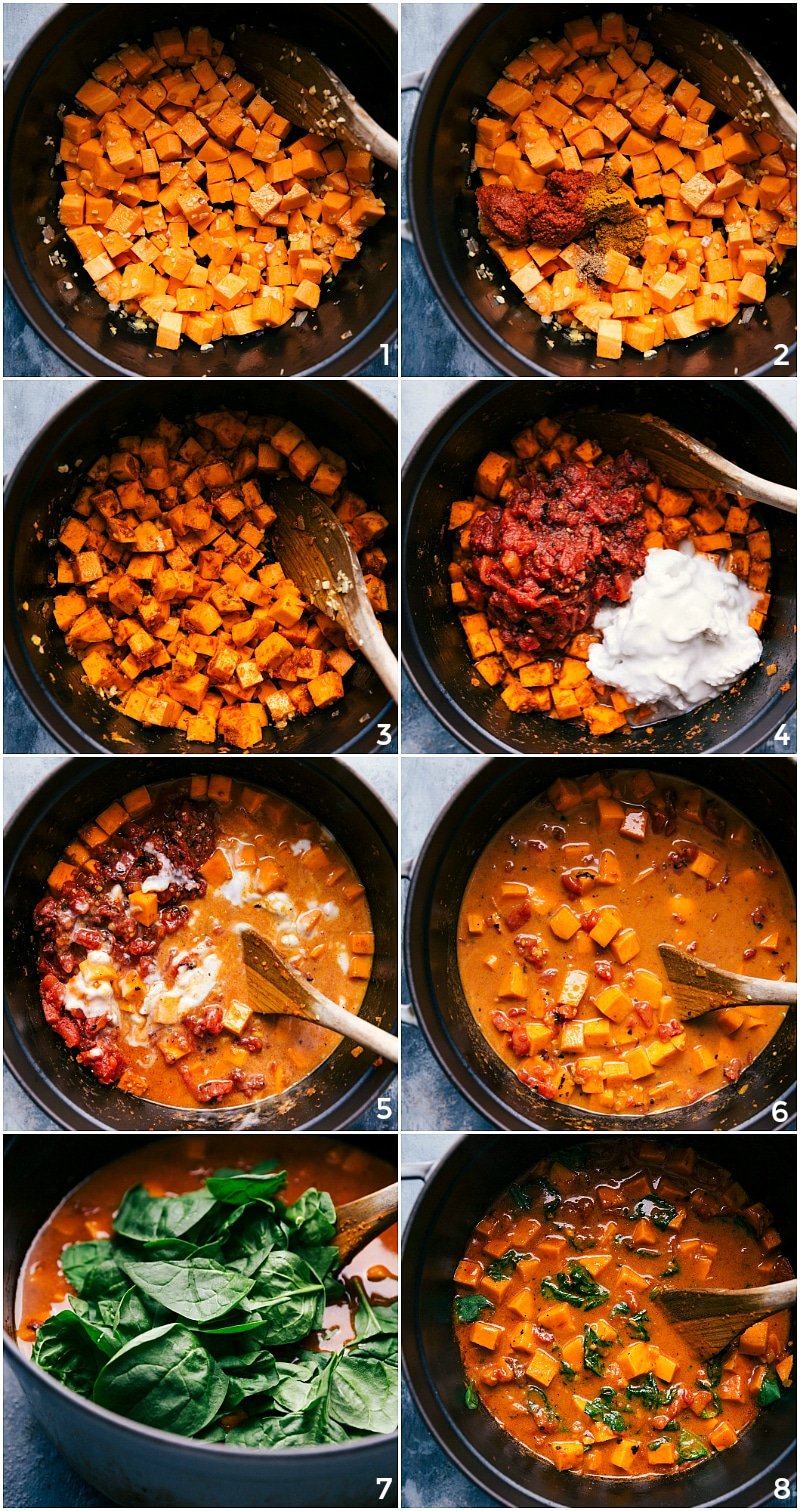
28	405
431	344
429	1099
20	775
25	354
423	400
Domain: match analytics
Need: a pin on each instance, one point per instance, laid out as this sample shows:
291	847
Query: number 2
781	358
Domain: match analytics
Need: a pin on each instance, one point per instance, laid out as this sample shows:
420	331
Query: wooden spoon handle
357	1222
360	1030
382	659
373	138
760	1300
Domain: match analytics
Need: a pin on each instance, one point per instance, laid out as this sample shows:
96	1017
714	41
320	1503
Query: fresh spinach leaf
372	1319
288	1298
312	1218
142	1217
363	1392
193	1286
256	1232
470	1308
236	1188
92	1269
165	1379
98	1319
301	1430
67	1351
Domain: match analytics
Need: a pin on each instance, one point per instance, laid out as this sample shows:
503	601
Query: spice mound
571	205
544	561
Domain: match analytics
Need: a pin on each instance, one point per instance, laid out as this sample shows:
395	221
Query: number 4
387	1485
783	737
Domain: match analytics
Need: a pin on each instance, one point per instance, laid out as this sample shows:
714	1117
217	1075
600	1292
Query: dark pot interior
455	1196
735	419
356	41
442	205
340	415
343	1088
763	789
134	1465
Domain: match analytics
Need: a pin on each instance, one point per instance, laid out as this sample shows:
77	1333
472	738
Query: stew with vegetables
556	536
193	1286
625	208
140	961
559	931
195	207
168	591
558	1320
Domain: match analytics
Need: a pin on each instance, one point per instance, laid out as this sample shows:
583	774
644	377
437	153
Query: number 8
782	1490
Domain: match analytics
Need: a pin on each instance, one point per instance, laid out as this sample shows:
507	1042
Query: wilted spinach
579	1287
176	1317
470	1308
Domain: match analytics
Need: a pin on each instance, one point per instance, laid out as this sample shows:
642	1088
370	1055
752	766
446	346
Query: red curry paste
542	562
555	217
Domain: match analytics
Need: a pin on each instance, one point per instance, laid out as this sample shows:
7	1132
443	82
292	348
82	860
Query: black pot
140	1466
736	419
443	213
332	1097
60	301
763	789
38	495
455	1196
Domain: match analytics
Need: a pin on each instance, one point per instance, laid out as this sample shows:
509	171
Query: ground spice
627	236
572	203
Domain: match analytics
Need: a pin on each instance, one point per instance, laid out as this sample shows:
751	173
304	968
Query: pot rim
470	1086
353	356
363	1094
456	306
53	718
441	701
409	1375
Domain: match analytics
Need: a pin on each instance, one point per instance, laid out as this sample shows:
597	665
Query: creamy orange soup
559	931
141	959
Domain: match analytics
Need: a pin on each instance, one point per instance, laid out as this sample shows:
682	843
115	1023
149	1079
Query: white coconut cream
682	637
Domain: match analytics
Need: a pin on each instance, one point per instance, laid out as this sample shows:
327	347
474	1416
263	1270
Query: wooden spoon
709	1320
699	987
681	458
309	94
316	551
357	1222
274	987
728	75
